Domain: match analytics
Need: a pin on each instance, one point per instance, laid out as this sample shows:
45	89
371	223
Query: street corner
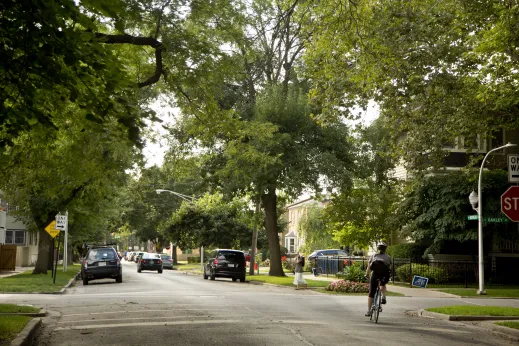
509	333
28	334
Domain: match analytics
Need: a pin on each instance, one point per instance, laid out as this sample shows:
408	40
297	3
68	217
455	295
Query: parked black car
150	261
226	263
101	262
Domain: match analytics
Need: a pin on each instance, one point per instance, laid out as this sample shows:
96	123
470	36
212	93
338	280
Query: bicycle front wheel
378	302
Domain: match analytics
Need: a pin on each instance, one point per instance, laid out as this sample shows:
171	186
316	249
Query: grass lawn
11	308
491	292
509	324
284	281
471	310
27	282
10	326
188	266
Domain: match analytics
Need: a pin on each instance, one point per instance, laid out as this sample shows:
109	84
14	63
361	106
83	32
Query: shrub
266	263
348	286
282	250
352	273
289	264
436	275
193	259
410	250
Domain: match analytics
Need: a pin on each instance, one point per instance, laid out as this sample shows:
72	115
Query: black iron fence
441	273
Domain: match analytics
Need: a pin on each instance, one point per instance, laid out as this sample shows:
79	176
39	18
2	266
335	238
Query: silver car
167	261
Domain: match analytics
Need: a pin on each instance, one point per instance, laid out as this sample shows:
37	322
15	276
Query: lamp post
478	199
188	199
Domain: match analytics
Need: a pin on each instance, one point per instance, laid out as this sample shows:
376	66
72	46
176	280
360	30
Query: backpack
302	261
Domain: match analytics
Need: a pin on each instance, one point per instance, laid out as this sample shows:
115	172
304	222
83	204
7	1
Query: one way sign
513	168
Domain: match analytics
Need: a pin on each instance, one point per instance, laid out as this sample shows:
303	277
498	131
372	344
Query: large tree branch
139	41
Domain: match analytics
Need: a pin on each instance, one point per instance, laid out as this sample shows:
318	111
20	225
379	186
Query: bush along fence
441	273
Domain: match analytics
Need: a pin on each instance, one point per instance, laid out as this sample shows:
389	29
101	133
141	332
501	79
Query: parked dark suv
226	263
101	262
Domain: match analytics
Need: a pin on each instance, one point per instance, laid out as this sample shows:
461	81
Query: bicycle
376	307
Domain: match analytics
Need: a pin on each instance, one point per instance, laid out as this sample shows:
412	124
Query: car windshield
101	254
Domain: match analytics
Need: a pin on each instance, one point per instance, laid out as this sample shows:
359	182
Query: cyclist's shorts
373	283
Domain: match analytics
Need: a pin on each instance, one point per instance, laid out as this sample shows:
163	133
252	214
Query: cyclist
379	265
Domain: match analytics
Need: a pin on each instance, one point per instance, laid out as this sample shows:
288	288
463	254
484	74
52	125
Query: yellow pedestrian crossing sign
51	229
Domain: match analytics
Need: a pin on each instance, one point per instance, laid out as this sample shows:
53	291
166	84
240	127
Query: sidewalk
406	291
17	270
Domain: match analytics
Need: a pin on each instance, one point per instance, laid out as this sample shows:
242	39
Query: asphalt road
173	308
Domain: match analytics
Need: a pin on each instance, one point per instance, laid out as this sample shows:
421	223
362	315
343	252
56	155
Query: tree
313	229
438	70
263	140
210	222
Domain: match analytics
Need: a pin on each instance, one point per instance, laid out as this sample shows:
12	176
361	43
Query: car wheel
234	279
242	279
139	270
85	281
160	271
205	275
119	279
213	276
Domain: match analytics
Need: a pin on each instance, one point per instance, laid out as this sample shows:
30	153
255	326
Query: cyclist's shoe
368	313
383	300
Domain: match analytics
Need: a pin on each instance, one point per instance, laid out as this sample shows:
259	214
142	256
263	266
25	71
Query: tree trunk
271	224
44	253
174	255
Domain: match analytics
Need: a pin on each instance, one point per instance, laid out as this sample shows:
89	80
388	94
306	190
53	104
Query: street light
478	199
184	197
189	199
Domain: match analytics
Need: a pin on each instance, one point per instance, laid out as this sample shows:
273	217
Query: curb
439	316
41	313
28	334
507	332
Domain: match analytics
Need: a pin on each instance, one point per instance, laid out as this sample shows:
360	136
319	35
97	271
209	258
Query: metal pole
65	246
481	260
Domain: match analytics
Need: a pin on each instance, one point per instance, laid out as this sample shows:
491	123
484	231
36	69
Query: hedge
409	250
436	275
348	286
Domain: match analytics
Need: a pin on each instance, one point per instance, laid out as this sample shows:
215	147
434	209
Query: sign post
510	203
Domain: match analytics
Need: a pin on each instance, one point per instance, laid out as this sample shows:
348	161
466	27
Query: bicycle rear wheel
373	305
378	301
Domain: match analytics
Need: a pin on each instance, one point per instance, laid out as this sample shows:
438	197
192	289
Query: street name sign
488	219
510	203
51	229
420	281
513	168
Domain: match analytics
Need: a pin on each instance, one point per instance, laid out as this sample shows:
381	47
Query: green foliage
193	259
314	230
436	207
210	221
458	83
436	275
409	250
353	272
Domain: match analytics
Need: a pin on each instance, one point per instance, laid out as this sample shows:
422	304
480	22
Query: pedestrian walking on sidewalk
298	278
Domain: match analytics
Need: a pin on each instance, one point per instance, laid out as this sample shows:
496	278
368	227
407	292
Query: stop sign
510	203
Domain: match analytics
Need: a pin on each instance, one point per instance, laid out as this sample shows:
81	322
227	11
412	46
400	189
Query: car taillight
245	264
143	261
86	263
215	262
159	261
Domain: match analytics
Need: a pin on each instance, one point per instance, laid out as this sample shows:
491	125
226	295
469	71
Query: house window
291	245
473	143
187	252
16	237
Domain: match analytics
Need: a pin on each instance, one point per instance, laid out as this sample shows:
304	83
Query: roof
290	234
